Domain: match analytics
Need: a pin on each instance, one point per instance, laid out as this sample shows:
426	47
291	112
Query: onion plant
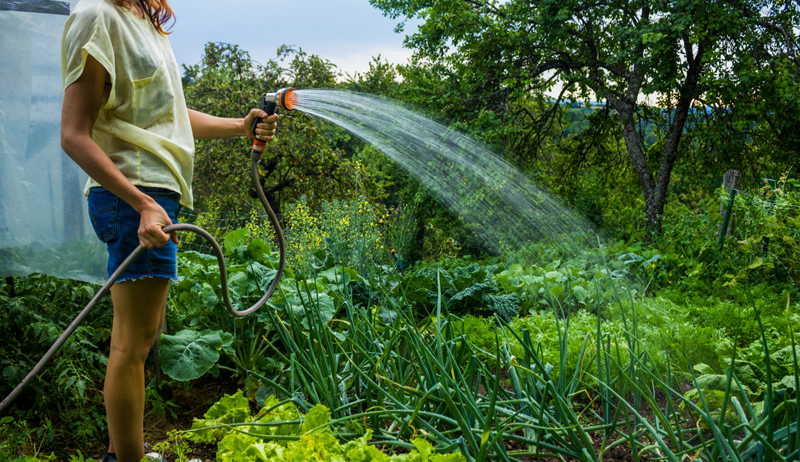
403	379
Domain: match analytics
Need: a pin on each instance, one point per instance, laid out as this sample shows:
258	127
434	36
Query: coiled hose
255	157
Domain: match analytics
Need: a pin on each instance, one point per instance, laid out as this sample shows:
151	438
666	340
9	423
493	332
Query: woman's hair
158	11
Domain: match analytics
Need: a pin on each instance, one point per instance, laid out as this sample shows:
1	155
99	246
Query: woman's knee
133	346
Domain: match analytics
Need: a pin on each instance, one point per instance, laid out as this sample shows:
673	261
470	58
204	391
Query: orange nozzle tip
290	99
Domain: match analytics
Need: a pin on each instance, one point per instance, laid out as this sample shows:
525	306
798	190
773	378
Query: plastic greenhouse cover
36	6
44	222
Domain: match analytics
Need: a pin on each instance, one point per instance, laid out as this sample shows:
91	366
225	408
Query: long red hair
158	11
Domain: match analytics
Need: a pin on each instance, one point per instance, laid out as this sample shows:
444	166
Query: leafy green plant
80	458
64	401
188	354
347	231
279	432
205	329
175	444
464	289
762	247
772	377
158	404
16	437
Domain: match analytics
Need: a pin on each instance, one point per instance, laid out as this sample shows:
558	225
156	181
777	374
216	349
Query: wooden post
730	181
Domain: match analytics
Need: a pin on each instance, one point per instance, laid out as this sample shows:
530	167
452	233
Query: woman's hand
153	219
266	129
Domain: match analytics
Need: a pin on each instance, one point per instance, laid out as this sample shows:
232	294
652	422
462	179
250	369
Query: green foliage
381	79
175	444
206	329
761	249
351	234
64	401
210	339
79	458
670	334
160	405
235	409
505	306
347	231
305	158
708	91
188	355
749	392
463	289
280	433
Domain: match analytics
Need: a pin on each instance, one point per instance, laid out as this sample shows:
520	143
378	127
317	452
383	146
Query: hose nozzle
285	98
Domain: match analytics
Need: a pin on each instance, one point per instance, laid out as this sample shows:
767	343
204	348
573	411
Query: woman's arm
206	126
82	102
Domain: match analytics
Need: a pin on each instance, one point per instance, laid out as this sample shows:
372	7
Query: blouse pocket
153	99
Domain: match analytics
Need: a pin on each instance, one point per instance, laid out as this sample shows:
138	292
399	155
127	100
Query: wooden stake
730	181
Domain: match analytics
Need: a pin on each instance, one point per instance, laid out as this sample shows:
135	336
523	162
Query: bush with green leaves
308	156
64	402
462	289
348	231
763	246
208	338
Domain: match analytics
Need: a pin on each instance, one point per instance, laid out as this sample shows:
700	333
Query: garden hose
284	99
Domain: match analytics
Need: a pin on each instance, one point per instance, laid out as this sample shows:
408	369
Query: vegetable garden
399	333
621	351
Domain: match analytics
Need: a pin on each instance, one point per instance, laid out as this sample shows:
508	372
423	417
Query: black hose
122	267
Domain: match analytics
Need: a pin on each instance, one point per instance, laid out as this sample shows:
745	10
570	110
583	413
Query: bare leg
138	312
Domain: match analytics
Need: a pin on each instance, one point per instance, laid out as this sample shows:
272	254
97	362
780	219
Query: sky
346	32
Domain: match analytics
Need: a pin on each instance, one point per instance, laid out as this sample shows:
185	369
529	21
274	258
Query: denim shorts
116	224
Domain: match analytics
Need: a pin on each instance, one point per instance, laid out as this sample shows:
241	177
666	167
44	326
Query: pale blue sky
346	32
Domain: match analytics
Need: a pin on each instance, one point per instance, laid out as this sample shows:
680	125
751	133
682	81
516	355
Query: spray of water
496	200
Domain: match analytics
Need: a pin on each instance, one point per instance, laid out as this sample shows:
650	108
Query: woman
124	122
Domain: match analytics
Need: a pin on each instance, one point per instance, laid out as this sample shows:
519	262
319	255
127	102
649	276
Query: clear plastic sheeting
36	6
44	222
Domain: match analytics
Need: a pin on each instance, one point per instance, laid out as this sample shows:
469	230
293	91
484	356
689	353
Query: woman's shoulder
95	11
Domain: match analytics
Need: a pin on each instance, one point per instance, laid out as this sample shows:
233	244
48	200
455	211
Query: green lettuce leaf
238	447
318	416
188	355
230	409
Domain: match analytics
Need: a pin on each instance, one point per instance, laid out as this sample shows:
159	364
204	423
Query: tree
305	158
674	52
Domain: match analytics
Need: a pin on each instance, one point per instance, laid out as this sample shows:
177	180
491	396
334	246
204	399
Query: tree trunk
12	291
274	202
655	189
654	214
654	195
